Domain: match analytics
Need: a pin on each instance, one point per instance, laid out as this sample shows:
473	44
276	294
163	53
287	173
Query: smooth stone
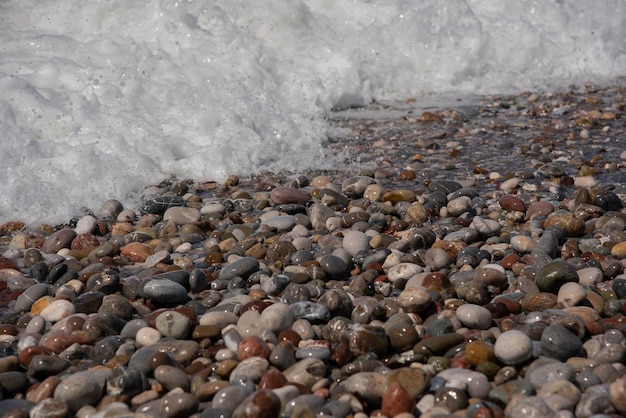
436	259
57	310
165	293
545	370
306	371
243	268
253	346
280	223
414	299
523	243
369	386
355	242
513	347
48	408
26	300
459	205
262	403
564	389
589	276
403	271
503	393
438	345
547	245
531	407
479	352
401	332
82	388
452	399
571	294
277	317
555	274
509	202
137	251
117	305
308	402
58	240
560	343
414	381
251	367
354	187
230	397
334	266
617	395
485	226
284	195
396	400
181	215
399	195
474	316
476	384
539	209
310	311
173	324
172	377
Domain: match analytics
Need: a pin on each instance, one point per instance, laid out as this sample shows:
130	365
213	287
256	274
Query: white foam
100	98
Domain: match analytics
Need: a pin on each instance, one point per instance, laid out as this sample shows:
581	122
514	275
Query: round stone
277	317
513	347
571	294
173	324
355	242
560	343
555	274
474	316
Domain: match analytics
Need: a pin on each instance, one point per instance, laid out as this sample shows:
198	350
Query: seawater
99	99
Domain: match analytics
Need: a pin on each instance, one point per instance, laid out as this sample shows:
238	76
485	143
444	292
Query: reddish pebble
137	252
58	240
396	401
253	347
289	335
283	195
43	390
263	403
7	263
539	209
83	244
508	202
272	379
27	354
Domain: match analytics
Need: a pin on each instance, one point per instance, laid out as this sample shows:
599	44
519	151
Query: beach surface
465	259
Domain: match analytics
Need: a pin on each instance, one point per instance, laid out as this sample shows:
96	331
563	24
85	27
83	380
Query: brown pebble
509	202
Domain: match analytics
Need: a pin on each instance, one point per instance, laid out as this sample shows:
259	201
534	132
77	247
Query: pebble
452	282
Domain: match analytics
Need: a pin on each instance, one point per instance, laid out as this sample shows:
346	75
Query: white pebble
570	294
513	347
58	310
589	276
523	243
85	225
147	336
585	181
509	184
403	271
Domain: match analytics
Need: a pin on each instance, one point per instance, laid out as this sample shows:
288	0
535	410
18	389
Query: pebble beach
465	260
